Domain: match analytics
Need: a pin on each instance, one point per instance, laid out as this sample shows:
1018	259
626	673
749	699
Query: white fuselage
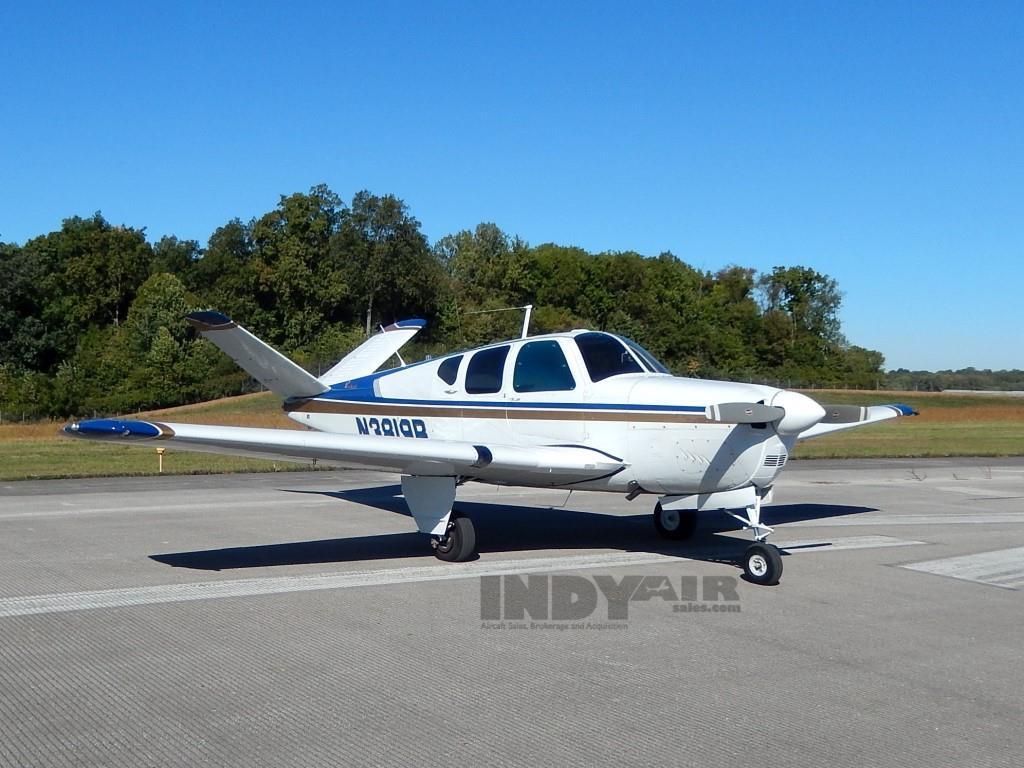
654	422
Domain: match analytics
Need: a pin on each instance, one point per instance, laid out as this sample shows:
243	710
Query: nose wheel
762	563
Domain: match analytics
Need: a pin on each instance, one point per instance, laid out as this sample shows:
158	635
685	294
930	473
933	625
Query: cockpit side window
485	371
605	356
541	367
448	370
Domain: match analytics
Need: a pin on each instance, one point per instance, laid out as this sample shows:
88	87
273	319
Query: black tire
459	542
675	524
762	564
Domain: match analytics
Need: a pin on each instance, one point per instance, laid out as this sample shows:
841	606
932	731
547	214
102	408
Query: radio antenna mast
526	317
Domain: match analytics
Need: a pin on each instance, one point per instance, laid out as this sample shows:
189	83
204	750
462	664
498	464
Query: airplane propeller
855	414
844	414
743	413
790	412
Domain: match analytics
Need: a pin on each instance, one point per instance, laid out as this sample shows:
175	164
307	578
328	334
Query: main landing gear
458	543
675	524
430	501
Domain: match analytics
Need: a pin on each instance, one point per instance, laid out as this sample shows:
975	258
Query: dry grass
947	425
256	410
39	451
934	407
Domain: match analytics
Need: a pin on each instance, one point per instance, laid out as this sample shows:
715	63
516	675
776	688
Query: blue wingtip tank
114	429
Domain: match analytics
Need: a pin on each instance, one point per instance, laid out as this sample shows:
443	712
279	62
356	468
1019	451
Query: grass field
949	425
38	450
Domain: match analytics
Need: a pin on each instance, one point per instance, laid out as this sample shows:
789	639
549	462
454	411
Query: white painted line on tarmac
70	510
179	593
990	492
851	542
1001	568
874	520
275	585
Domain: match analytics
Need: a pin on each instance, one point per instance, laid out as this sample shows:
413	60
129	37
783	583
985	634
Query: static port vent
775	460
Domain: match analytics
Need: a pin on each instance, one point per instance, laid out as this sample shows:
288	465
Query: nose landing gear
762	562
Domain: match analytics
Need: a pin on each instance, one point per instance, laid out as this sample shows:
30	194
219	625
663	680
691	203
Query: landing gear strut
458	543
675	524
762	562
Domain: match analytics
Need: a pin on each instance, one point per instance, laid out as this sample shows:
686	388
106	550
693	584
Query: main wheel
459	542
675	524
762	563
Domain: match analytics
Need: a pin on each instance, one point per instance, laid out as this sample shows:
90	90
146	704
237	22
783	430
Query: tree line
91	315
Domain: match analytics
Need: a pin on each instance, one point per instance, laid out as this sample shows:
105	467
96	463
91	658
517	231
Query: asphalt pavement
298	619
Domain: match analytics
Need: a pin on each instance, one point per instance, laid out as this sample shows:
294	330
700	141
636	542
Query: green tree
176	257
299	280
225	279
161	303
809	299
97	267
390	268
24	339
801	323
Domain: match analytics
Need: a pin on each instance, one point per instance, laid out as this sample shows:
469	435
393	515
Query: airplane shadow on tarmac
505	528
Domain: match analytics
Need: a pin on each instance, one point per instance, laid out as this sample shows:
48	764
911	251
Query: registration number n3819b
388	427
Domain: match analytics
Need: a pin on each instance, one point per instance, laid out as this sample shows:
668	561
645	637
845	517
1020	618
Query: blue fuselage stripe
368	398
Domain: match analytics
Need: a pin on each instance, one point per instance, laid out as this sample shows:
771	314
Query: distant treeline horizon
92	315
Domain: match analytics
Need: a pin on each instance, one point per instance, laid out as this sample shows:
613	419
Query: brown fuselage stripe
166	433
455	412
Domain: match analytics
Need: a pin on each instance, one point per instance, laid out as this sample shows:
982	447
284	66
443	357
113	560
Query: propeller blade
744	413
844	414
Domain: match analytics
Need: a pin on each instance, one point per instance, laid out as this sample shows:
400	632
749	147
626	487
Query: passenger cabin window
541	367
448	370
605	356
649	360
486	367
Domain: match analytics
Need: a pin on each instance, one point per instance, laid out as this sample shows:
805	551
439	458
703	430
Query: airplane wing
373	353
840	417
554	465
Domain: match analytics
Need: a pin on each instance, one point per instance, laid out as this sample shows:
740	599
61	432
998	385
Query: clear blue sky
880	143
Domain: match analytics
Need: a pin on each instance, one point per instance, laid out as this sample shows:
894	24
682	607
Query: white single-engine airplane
578	410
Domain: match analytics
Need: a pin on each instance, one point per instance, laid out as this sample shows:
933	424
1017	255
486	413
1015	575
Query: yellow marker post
160	459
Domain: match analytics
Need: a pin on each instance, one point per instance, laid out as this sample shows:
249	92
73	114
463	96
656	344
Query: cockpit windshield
646	357
604	356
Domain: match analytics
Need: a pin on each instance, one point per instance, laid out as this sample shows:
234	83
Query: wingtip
904	410
104	429
209	320
414	322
